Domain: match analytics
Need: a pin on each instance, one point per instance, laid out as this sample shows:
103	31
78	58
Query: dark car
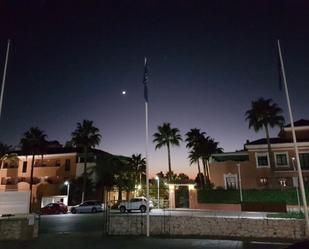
54	208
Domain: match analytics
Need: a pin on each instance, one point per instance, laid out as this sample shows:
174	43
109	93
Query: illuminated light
139	187
191	186
171	187
123	92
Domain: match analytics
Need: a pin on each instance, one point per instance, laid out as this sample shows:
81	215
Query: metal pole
297	192
68	192
239	180
4	75
147	162
300	176
158	179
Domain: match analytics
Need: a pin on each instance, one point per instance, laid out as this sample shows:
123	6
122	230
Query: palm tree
85	136
193	139
206	147
138	164
264	113
167	136
33	143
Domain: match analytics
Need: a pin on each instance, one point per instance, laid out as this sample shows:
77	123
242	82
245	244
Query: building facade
252	165
50	171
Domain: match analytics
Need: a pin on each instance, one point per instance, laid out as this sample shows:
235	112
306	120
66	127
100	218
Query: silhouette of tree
167	136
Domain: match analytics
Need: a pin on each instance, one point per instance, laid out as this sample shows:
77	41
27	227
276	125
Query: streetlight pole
158	181
239	182
297	184
67	183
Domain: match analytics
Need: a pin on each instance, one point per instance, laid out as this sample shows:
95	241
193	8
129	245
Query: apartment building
50	171
253	163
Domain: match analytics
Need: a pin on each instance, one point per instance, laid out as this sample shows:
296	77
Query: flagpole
300	175
4	75
146	148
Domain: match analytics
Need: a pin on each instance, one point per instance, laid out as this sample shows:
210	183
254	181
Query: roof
64	150
238	156
298	123
275	140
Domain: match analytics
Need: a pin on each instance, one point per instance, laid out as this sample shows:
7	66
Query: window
24	166
67	165
262	160
304	160
57	163
281	159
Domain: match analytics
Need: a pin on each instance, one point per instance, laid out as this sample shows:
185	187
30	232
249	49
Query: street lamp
296	183
67	183
158	181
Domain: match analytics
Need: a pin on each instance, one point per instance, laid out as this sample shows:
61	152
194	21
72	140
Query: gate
182	197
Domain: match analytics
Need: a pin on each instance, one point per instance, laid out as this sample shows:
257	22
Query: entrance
182	197
231	182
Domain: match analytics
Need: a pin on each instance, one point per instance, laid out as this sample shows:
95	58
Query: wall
14	202
19	227
209	226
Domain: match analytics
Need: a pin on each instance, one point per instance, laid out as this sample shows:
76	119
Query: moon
123	92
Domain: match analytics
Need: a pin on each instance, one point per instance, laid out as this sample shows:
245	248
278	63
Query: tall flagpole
4	75
146	145
300	175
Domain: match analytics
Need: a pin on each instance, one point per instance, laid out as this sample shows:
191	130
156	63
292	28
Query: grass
287	196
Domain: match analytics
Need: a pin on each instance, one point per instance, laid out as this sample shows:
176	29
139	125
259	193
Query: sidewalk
96	241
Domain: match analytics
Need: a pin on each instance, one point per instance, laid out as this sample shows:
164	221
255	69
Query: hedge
253	195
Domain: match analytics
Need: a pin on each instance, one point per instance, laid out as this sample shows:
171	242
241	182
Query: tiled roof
275	140
301	122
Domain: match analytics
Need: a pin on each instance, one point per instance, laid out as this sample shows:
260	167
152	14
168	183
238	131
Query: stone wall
232	227
21	227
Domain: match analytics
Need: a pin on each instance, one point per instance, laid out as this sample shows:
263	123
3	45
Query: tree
85	136
124	175
167	136
4	149
138	164
264	113
201	148
206	148
33	143
193	139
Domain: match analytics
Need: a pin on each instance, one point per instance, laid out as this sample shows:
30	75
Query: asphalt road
82	241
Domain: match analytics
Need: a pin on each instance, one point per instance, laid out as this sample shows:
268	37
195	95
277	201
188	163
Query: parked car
54	208
88	207
137	203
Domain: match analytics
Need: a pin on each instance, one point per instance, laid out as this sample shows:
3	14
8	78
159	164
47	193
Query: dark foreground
96	241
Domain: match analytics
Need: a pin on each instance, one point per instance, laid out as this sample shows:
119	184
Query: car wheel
73	211
142	208
94	210
122	209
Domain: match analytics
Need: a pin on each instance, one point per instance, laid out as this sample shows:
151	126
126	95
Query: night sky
208	60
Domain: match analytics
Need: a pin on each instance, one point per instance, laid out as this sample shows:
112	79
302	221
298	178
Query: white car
88	207
137	203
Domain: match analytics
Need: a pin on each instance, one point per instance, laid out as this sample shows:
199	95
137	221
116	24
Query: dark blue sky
208	61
